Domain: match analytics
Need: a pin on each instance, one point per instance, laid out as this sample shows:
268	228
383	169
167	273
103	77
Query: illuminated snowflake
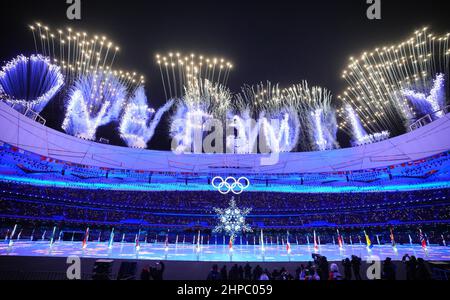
232	219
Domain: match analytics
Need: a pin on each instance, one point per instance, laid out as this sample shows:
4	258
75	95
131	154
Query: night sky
281	41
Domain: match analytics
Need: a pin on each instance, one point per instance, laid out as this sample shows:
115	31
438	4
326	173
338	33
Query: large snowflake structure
232	219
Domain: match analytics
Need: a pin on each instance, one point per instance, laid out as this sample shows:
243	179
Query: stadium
284	191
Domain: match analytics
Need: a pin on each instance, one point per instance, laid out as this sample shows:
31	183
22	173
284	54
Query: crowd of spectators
185	213
16	159
321	269
205	202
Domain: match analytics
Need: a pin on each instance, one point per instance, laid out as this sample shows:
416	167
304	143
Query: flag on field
368	241
136	241
111	239
288	244
52	239
262	241
7	235
392	237
198	240
166	242
316	245
13	233
340	243
11	237
423	240
86	238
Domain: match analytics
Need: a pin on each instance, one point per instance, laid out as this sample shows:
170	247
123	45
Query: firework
282	132
431	104
96	93
277	124
247	130
179	71
323	130
198	85
139	122
186	129
30	82
380	83
262	98
288	117
372	138
316	114
203	101
209	97
78	53
357	130
277	119
95	100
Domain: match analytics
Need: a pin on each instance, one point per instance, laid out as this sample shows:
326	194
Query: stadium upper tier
188	210
24	133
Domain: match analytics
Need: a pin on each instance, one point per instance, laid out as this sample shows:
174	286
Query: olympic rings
230	184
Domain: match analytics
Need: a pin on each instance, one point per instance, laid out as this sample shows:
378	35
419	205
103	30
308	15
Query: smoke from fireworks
323	130
139	122
277	119
245	120
30	82
203	101
380	83
282	132
388	88
95	100
198	85
316	114
358	131
423	104
247	131
359	134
